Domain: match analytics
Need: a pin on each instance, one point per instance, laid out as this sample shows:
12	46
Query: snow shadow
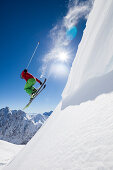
90	90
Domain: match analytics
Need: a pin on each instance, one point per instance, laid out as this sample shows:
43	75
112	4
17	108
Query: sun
62	56
58	70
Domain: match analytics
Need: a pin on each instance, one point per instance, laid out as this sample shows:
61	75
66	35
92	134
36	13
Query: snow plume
76	11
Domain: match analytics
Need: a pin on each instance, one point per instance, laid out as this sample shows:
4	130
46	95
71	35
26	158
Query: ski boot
33	93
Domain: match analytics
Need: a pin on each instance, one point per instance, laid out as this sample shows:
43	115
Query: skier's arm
38	81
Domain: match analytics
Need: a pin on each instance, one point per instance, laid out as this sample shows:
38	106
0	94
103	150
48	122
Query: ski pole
32	55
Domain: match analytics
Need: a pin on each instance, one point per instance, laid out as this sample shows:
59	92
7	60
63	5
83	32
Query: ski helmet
25	70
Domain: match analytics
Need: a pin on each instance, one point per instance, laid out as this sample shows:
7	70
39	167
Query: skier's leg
29	86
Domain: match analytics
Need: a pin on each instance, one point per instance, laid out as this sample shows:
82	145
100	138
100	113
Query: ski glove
40	83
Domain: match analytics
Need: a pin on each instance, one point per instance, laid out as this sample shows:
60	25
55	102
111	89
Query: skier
30	81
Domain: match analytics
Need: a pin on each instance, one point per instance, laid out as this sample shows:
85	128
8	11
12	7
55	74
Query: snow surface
7	152
76	138
94	57
79	134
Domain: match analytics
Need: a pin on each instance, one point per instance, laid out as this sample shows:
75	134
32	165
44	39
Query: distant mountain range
17	127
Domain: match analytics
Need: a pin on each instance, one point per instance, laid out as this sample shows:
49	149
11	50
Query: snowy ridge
94	57
80	137
40	117
76	138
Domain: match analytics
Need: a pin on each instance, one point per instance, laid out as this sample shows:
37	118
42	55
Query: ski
40	87
39	90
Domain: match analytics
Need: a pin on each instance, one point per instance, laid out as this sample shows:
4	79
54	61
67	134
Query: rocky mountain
17	127
40	117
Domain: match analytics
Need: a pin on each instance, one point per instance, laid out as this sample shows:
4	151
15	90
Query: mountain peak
18	128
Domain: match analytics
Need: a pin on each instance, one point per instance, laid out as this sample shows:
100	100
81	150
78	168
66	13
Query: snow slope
76	138
79	134
94	57
7	152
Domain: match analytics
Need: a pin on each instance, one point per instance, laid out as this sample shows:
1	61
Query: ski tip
25	107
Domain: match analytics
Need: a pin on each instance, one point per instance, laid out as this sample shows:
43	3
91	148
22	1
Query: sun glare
63	56
58	70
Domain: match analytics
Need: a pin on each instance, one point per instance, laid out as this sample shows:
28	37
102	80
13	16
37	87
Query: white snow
7	152
77	138
94	56
79	134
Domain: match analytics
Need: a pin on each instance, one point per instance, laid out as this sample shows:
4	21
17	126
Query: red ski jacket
27	76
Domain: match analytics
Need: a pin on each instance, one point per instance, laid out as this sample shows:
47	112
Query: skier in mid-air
30	81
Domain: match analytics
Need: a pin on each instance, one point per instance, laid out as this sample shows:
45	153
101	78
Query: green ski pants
29	85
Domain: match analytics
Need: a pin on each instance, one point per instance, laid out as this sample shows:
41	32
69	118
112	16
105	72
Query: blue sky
23	24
